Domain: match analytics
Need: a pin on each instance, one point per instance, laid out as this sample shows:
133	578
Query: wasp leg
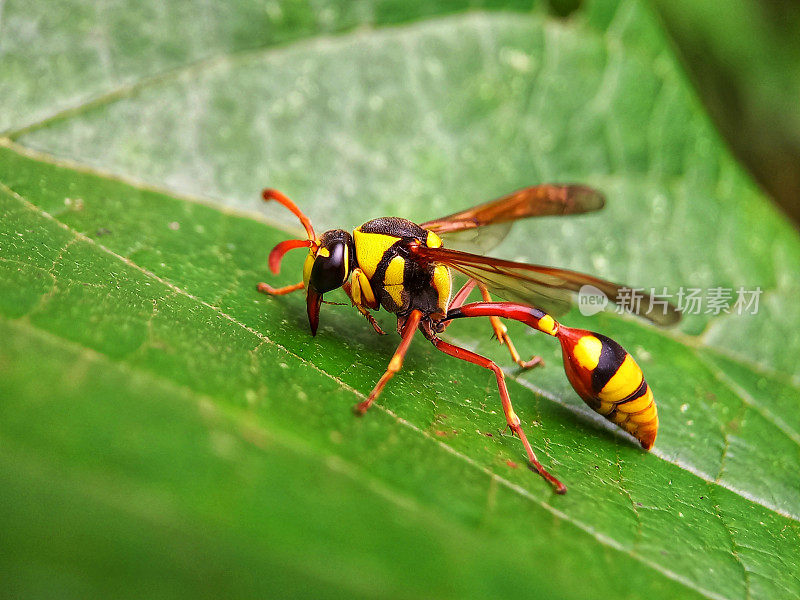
511	417
409	328
265	288
462	294
367	315
501	332
601	371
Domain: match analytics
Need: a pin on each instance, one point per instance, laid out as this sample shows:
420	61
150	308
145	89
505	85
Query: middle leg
501	331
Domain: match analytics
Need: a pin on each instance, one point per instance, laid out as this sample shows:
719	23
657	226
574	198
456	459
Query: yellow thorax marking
433	240
394	272
370	248
442	284
393	279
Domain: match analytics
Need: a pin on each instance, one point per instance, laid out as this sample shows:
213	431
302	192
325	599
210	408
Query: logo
591	300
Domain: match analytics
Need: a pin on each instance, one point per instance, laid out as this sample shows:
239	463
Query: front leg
363	298
409	328
348	289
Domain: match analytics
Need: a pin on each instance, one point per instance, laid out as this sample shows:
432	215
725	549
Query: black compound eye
329	272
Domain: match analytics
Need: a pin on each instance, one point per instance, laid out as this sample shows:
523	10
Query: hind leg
511	417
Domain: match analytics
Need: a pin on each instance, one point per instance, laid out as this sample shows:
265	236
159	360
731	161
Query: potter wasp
405	268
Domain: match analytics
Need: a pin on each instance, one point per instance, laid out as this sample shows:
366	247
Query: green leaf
167	431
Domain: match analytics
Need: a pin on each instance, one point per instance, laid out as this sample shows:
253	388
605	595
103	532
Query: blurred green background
744	60
165	431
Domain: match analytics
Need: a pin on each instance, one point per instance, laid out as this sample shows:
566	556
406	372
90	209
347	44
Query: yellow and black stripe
608	379
601	371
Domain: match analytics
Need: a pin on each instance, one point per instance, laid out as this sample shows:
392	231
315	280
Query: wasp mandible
405	268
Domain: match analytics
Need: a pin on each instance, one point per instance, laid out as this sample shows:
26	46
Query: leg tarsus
535	360
348	289
535	465
372	322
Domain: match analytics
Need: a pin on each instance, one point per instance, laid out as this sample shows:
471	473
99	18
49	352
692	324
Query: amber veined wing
482	227
548	288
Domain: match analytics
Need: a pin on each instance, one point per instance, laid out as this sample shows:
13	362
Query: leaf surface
161	419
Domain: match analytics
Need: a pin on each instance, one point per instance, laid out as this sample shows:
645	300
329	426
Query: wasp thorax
331	261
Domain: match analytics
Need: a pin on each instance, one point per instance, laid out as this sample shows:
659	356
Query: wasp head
330	260
328	265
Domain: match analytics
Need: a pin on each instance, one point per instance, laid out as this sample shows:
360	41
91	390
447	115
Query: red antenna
270	194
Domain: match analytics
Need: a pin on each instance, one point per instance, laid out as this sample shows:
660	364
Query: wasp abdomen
608	379
600	370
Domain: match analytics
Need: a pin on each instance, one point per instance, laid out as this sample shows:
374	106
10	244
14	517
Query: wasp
405	268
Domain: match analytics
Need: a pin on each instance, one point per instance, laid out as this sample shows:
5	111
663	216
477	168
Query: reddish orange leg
511	417
409	328
265	288
463	293
501	331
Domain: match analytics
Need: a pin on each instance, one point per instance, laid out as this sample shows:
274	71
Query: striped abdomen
610	382
600	370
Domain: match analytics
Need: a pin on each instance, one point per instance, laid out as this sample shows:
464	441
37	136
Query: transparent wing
547	288
478	240
482	227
